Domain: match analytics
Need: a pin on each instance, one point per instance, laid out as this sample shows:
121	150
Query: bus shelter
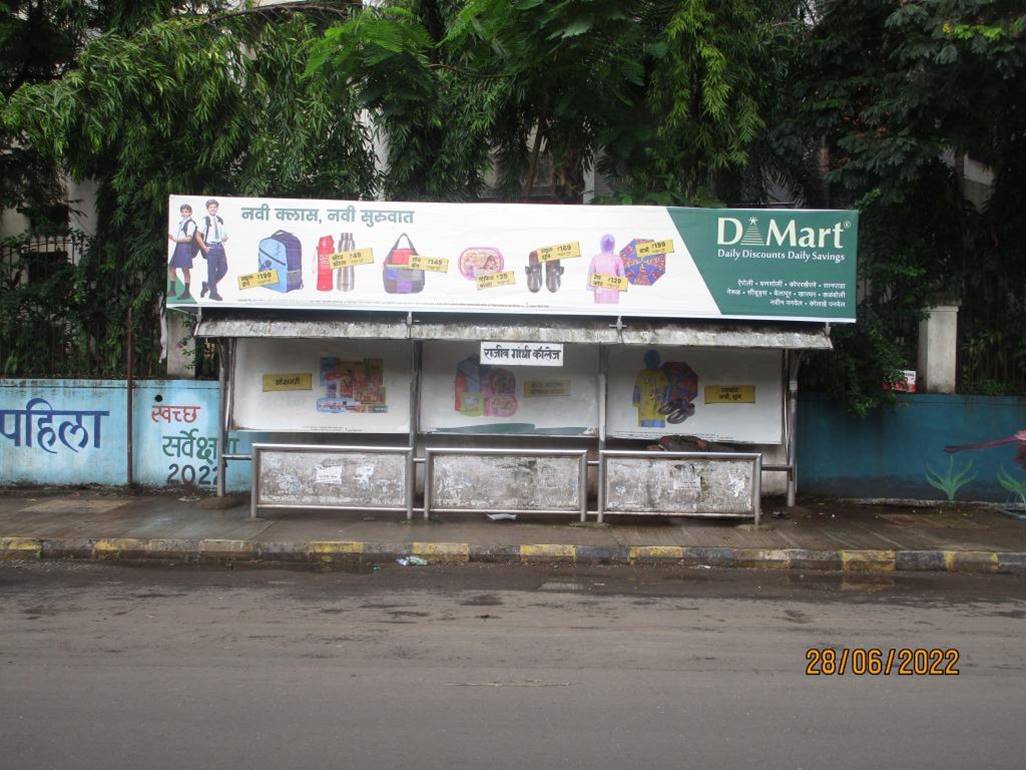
657	376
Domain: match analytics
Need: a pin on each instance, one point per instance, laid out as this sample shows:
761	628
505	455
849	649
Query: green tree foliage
659	94
163	102
864	103
436	136
702	109
885	101
558	73
38	42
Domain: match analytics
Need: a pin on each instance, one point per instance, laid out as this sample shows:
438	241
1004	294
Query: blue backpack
282	252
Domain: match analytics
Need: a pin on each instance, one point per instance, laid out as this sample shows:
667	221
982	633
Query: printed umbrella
642	271
681	391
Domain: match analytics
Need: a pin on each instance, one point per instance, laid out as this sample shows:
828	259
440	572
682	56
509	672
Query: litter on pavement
411	561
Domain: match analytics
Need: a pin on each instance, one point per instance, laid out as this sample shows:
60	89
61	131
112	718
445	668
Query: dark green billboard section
780	263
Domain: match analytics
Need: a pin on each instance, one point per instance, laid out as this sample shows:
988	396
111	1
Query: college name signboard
673	262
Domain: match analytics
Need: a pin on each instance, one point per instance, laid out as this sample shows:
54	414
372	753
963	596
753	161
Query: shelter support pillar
222	414
603	392
794	360
416	356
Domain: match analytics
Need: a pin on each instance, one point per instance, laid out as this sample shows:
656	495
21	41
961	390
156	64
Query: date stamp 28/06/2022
876	661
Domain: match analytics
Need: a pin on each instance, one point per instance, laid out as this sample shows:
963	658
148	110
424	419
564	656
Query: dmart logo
731	231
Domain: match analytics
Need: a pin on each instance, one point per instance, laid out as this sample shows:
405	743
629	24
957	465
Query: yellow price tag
292	381
559	251
730	394
602	281
431	264
507	278
546	388
352	258
649	248
263	278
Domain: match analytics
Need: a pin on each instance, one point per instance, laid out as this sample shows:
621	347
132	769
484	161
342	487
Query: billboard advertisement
654	261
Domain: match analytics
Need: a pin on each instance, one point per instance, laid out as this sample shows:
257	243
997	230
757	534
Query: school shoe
185	293
215	296
203	289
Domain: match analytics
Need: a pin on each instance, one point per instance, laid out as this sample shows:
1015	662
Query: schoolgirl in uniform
185	249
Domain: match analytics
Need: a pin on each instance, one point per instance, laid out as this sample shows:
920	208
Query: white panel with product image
719	394
331	386
460	395
514	258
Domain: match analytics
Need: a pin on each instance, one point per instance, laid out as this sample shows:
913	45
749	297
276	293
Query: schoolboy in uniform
212	237
185	251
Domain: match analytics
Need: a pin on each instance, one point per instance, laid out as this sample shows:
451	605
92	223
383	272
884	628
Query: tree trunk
532	164
823	167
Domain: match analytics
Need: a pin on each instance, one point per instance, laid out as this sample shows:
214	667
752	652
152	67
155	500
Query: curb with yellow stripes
343	551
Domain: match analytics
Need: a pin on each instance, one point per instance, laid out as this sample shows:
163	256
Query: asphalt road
495	667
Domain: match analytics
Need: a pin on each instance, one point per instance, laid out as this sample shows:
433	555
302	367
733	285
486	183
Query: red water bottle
325	248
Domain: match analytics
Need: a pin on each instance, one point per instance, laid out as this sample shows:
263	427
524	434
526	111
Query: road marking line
548	551
778	558
21	545
458	552
114	545
334	547
867	561
636	552
217	545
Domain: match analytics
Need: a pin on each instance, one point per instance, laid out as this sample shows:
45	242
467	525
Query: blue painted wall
170	448
31	446
886	454
883	455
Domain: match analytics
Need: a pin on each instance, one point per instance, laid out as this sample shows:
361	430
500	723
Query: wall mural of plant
1011	484
952	480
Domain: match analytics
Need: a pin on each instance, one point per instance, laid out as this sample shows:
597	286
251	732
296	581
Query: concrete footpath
817	535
